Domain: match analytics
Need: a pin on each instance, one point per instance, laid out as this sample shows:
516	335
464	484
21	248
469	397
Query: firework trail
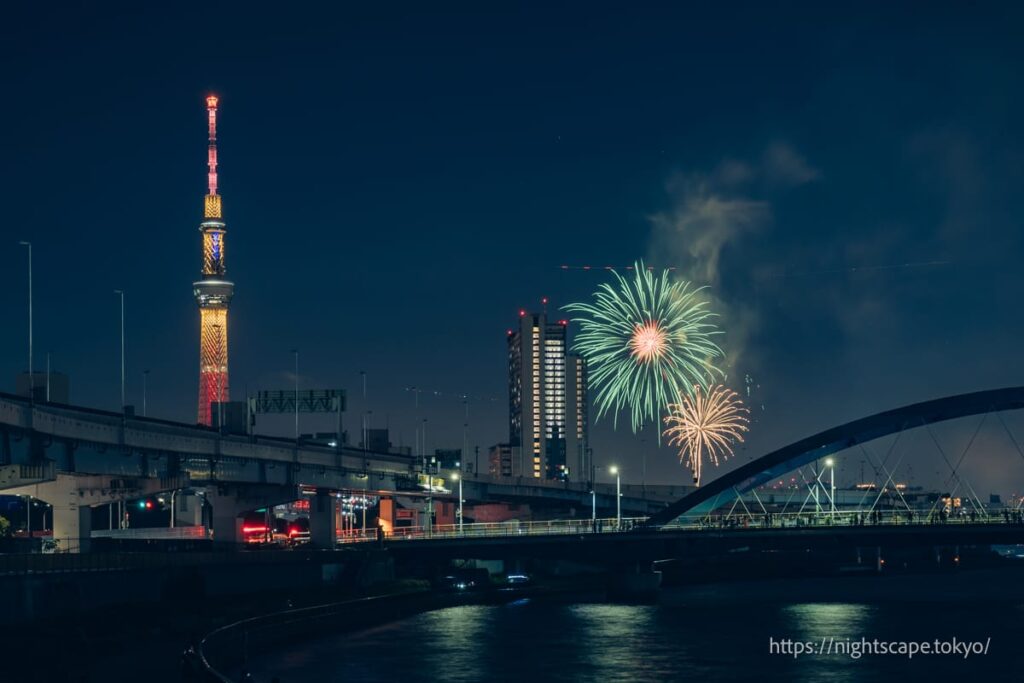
647	340
706	425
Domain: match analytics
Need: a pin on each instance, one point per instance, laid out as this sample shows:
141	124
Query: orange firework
706	426
648	341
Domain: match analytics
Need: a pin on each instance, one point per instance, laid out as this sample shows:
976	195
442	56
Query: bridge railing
712	522
194	533
500	529
841	517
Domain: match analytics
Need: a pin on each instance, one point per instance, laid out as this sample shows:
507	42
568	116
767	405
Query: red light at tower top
211	108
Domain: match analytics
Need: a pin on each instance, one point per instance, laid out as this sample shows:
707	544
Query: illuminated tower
213	292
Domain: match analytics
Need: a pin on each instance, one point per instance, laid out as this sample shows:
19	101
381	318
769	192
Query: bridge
77	458
783	461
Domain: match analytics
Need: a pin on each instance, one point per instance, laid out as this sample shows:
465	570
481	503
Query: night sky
399	181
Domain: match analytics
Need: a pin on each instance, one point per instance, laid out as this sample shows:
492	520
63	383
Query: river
717	633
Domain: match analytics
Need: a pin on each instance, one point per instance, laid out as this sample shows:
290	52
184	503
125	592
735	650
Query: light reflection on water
816	619
531	641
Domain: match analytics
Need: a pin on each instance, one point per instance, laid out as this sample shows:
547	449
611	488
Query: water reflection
813	621
621	643
597	643
449	645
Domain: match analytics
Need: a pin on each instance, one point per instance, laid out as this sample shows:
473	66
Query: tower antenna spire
211	109
213	292
213	209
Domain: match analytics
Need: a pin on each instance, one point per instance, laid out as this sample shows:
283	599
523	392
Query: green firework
647	341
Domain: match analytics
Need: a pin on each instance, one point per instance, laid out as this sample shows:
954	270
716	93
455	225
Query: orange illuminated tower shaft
213	292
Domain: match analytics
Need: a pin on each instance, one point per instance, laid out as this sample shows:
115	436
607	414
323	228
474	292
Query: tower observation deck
213	291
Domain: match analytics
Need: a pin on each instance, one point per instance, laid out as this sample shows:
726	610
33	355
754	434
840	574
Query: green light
647	340
142	505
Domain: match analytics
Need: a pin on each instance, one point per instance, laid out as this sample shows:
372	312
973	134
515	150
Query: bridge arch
800	453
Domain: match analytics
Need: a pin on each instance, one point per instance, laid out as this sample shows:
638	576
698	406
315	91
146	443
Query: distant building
504	461
547	400
54	387
576	399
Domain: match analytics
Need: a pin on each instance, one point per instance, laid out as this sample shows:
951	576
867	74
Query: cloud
711	212
701	223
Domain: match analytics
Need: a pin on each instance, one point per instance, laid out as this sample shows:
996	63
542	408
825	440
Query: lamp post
145	378
457	478
121	294
430	483
31	379
618	496
366	445
295	352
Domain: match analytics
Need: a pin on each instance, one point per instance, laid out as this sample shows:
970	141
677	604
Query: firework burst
646	340
705	425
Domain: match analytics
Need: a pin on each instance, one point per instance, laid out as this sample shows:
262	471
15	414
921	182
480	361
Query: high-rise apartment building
547	399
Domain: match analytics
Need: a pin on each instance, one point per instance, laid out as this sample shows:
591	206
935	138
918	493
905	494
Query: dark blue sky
399	181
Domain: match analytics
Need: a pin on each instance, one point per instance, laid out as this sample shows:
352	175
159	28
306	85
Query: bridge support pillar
230	502
323	520
72	497
225	523
72	526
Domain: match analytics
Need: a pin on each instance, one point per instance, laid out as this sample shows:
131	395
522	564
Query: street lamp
618	496
145	378
457	478
430	482
831	464
365	435
296	354
121	294
31	379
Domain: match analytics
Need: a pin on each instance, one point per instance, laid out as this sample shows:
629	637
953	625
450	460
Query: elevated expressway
75	458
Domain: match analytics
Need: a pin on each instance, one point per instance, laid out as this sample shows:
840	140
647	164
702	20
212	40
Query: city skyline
569	337
852	272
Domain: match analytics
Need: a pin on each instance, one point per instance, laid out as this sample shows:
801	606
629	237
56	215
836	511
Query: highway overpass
75	458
